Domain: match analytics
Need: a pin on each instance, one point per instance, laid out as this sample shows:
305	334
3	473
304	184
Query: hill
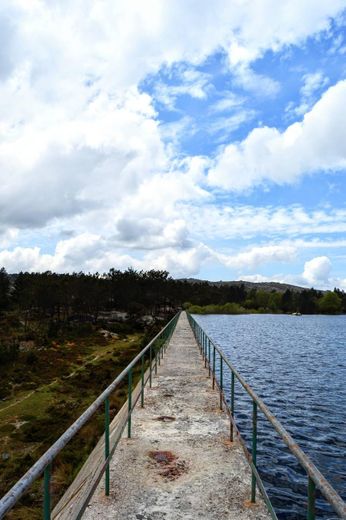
265	286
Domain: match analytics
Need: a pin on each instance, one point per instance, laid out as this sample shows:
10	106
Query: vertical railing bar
221	381
150	367
232	404
107	422
46	491
142	382
129	398
209	356
254	450
205	351
214	366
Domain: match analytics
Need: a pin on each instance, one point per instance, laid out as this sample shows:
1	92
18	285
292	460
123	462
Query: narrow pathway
26	396
179	463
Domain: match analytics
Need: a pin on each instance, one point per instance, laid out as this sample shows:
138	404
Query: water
297	365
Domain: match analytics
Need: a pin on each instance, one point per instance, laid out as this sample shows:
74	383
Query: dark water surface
297	365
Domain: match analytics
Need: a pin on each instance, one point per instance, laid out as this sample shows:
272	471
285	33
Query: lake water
297	365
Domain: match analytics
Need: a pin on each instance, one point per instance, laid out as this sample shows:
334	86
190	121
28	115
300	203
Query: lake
297	365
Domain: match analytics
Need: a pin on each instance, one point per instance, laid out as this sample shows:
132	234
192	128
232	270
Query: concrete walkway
179	463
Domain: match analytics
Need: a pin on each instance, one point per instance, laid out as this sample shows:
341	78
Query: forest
60	299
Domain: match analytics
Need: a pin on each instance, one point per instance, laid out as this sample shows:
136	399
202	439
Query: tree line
81	296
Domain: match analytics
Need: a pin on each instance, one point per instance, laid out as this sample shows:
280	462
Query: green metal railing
148	358
315	479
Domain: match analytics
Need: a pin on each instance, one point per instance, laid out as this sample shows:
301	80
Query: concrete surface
179	463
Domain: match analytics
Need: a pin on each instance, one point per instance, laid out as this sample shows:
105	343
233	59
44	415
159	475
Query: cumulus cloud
268	155
317	270
82	151
258	255
82	127
92	252
317	273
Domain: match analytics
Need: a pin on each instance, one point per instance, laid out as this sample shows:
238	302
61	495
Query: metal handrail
315	477
43	465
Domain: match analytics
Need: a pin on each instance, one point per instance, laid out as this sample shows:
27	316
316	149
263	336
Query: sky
204	138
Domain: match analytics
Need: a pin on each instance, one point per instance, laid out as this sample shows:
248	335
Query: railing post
209	356
46	492
254	450
205	350
150	366
107	421
142	382
311	499
232	403
129	400
221	381
214	361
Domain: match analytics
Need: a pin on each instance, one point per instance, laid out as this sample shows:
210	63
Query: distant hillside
265	286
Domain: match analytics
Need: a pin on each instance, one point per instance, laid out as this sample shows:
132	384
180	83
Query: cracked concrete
179	463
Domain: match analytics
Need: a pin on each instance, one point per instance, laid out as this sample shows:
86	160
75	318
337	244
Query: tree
275	301
330	303
287	301
262	299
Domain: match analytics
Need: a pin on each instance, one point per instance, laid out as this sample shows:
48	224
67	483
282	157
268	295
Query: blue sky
208	142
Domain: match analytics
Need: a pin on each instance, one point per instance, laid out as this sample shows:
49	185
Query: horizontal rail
321	483
16	492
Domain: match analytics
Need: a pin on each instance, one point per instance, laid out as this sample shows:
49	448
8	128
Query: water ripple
297	365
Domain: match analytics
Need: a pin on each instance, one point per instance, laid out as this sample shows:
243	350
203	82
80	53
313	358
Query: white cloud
317	273
81	147
245	221
258	255
228	102
268	155
92	253
312	83
165	246
228	124
317	270
191	82
272	25
258	84
75	129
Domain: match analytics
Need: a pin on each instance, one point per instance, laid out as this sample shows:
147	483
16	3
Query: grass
47	398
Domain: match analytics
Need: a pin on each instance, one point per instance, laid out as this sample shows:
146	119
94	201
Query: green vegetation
305	302
227	308
330	303
51	394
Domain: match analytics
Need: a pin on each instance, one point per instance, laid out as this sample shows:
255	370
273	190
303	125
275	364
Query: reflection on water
297	365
